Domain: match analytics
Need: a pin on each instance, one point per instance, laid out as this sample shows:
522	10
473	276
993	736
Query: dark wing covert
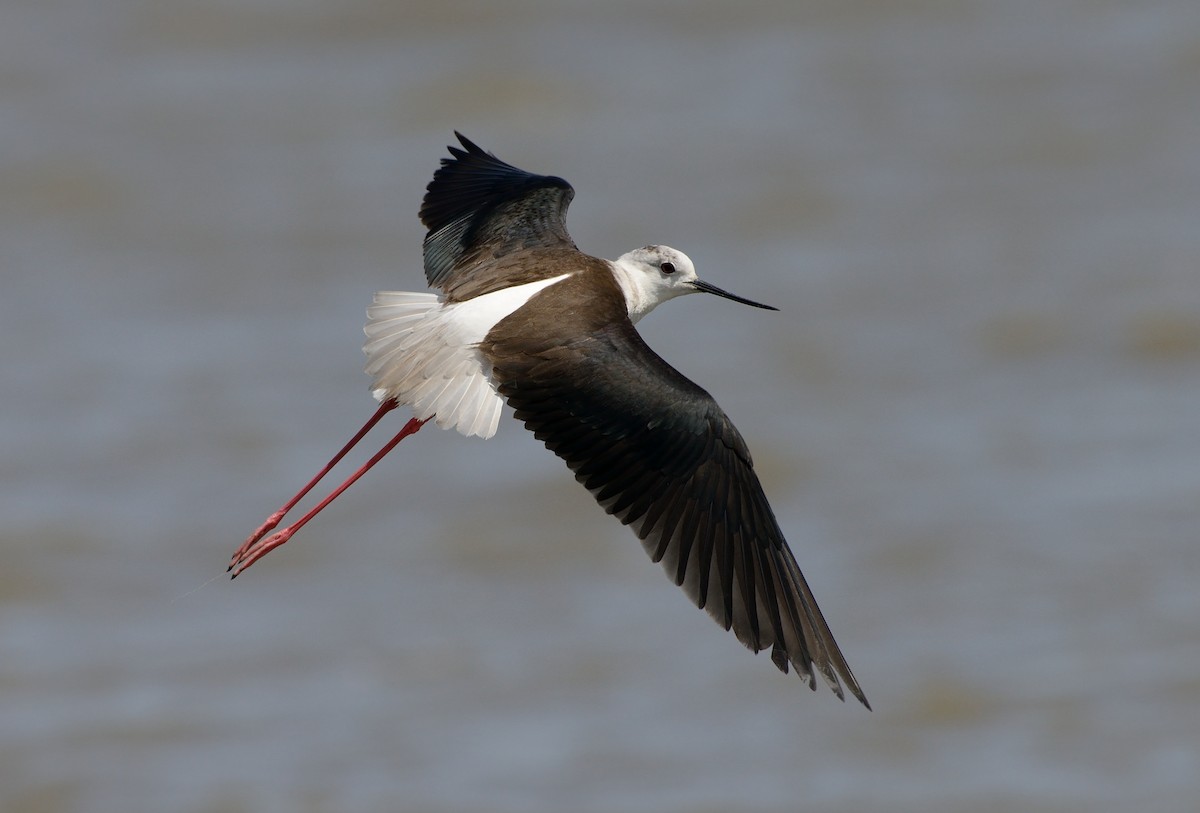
658	453
479	208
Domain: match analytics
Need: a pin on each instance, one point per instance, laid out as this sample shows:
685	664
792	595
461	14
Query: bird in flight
521	315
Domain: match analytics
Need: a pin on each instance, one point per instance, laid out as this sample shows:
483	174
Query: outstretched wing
658	453
480	210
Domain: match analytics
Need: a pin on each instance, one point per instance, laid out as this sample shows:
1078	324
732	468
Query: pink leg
273	520
255	547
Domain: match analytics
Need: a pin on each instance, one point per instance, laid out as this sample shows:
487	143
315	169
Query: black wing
478	208
658	453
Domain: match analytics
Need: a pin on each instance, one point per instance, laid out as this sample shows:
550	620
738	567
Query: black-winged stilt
526	317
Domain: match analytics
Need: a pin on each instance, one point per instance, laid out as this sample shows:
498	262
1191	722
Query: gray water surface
977	414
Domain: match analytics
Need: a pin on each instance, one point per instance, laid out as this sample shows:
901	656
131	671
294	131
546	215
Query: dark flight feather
658	453
479	209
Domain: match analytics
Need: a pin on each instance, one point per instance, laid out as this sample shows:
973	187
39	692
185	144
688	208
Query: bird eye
667	268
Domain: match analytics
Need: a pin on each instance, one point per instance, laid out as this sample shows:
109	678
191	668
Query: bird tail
415	354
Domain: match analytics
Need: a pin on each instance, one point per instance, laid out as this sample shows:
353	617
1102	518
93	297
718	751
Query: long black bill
701	285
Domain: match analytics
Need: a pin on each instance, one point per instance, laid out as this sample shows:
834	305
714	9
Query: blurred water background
977	415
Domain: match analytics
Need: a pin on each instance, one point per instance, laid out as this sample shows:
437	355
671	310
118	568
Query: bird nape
521	316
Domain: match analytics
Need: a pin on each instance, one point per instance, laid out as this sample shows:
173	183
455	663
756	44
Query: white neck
640	298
